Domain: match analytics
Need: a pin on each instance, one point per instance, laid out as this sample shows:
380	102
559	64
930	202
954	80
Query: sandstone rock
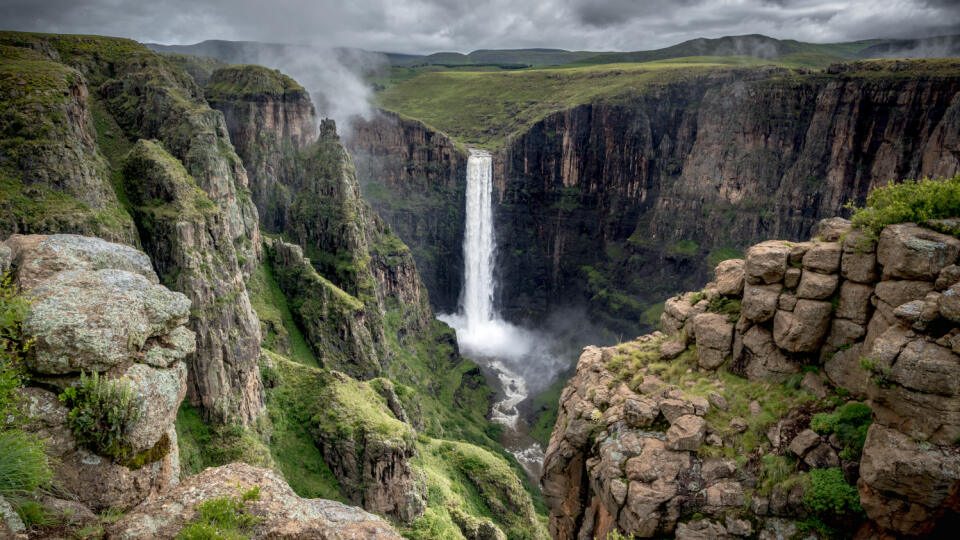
948	276
714	335
94	320
729	277
787	302
816	286
38	257
903	484
766	262
701	406
791	278
283	513
671	348
910	312
803	329
714	469
804	442
907	251
854	302
723	495
844	333
686	433
927	367
859	267
823	257
797	251
69	512
739	527
844	371
760	302
823	456
832	229
856	241
718	401
814	384
948	304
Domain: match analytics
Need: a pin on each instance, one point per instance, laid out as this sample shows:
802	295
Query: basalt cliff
612	205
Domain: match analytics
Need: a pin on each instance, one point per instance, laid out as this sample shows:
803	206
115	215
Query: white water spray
484	337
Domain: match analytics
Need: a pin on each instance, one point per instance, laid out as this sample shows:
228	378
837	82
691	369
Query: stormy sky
422	26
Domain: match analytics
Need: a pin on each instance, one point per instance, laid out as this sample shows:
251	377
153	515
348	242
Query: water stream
504	351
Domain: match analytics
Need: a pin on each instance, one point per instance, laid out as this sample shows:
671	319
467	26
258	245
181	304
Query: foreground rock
283	514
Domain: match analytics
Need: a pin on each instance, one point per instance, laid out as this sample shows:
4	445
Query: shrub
830	496
725	306
23	464
101	413
909	201
849	422
223	518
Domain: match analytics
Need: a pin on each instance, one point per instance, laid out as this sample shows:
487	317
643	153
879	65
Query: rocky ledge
742	417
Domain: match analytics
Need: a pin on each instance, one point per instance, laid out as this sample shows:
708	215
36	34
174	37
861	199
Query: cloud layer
423	26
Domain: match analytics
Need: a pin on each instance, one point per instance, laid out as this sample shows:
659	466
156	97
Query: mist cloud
423	26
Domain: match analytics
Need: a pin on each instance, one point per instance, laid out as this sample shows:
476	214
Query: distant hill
934	47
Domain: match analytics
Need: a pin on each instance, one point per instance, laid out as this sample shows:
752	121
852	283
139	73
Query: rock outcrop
97	307
874	313
279	512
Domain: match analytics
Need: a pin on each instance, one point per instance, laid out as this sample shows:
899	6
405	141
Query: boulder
729	277
859	267
905	484
791	278
701	529
671	348
714	337
159	392
797	251
844	333
760	302
762	359
69	512
787	302
9	518
717	401
640	412
948	276
817	286
686	433
898	292
6	259
854	302
766	262
948	304
803	329
927	367
832	229
857	241
282	513
94	320
822	456
907	251
805	441
843	370
823	257
675	408
38	257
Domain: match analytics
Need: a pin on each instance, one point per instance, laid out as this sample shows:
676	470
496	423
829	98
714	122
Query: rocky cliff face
136	94
415	180
649	433
617	204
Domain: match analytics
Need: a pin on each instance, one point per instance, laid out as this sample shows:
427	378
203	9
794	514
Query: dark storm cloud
464	25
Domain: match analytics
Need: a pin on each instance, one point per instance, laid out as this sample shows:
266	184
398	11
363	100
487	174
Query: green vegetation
724	306
223	518
909	201
249	82
849	422
280	333
684	248
24	467
545	406
831	497
651	315
204	445
721	254
101	413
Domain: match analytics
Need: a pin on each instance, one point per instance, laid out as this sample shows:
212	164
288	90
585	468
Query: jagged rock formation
415	179
134	94
616	204
98	307
877	316
281	513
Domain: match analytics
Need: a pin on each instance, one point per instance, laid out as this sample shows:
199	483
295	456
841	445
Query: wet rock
283	514
686	433
907	251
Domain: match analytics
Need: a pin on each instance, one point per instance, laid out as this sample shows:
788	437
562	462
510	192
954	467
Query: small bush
101	413
909	201
725	306
830	496
849	422
223	518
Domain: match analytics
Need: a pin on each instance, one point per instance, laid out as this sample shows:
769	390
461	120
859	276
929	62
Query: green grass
203	445
249	82
546	405
223	518
721	254
275	316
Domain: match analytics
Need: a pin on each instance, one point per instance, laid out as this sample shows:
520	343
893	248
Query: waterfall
478	243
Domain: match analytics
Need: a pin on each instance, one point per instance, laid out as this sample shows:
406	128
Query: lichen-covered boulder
760	302
159	392
94	320
282	513
907	251
38	257
803	329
